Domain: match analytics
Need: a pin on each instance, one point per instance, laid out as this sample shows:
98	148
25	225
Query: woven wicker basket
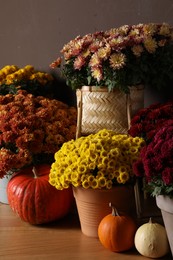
98	109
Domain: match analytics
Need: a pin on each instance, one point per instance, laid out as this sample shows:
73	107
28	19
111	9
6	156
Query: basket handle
128	107
79	114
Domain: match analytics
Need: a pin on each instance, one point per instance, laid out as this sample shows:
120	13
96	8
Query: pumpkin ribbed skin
116	233
34	200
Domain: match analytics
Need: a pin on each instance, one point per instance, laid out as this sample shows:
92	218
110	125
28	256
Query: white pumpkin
151	240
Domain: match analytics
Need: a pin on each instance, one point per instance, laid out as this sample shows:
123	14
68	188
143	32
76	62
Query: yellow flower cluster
98	160
11	74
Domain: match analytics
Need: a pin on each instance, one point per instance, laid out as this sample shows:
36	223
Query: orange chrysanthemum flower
32	126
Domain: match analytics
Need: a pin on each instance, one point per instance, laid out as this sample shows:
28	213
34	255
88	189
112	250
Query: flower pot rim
165	203
104	189
105	89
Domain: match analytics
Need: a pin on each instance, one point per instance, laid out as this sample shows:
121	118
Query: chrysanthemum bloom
155	163
119	58
32	128
102	160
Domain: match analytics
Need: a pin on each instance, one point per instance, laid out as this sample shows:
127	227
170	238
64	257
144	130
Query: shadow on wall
152	96
63	93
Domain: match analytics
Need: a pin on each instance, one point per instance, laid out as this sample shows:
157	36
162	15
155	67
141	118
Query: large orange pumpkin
116	232
34	200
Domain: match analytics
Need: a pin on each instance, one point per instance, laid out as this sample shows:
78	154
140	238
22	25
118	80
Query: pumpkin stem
34	172
150	220
114	210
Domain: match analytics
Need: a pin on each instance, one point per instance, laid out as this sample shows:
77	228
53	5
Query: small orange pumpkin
116	232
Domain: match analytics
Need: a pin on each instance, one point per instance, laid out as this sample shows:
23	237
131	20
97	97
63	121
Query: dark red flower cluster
32	125
156	162
148	121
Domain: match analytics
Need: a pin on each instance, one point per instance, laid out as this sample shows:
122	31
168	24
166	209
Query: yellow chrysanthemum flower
116	173
123	177
108	184
102	157
111	163
85	184
98	146
102	182
111	175
82	168
93	156
75	183
74	176
105	161
94	184
92	165
100	174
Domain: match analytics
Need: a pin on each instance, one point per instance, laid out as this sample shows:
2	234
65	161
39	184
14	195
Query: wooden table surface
60	240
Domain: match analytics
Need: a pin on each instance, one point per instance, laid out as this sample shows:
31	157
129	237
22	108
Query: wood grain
60	240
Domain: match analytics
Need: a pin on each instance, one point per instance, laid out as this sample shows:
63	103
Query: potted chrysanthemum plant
32	128
14	78
120	60
156	166
98	165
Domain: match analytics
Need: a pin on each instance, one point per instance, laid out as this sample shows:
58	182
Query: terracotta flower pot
166	206
93	205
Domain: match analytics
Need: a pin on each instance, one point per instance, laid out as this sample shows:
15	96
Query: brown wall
34	31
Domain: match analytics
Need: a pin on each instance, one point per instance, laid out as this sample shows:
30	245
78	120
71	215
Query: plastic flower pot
166	206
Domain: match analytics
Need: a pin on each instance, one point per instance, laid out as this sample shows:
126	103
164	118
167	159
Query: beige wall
34	31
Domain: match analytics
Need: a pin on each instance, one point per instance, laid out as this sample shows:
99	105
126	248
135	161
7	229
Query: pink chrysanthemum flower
79	62
123	30
117	43
56	63
97	73
137	50
117	60
162	43
164	29
150	29
95	46
95	60
150	45
104	52
130	47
